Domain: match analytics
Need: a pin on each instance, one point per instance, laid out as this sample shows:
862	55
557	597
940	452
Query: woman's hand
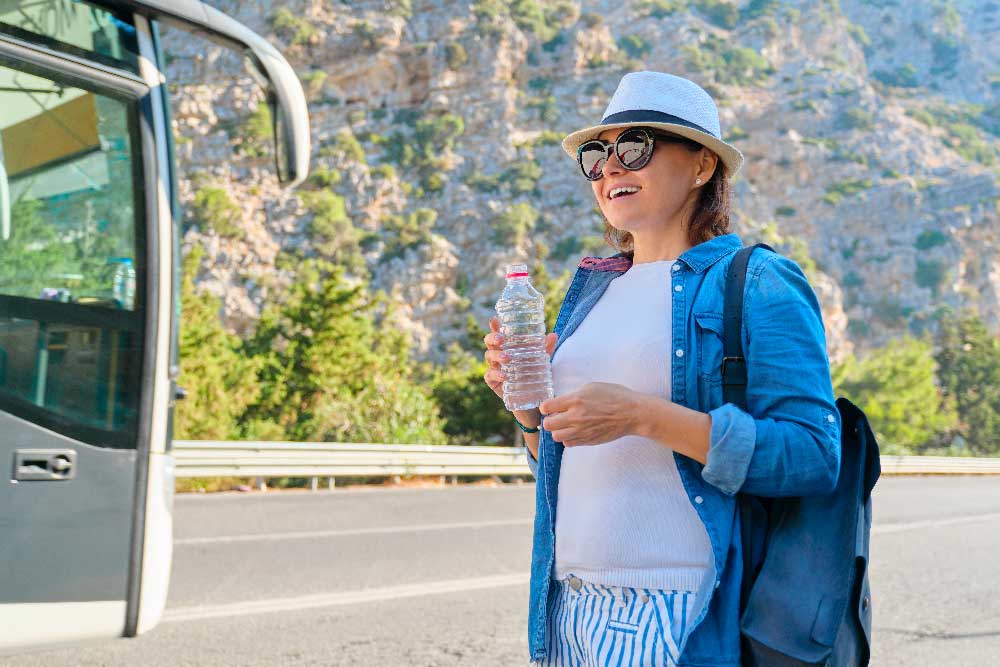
495	356
596	413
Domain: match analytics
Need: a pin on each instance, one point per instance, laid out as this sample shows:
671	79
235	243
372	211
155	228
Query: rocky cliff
870	130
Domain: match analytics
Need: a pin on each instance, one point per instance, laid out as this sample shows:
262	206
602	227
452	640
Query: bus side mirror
4	204
283	152
289	117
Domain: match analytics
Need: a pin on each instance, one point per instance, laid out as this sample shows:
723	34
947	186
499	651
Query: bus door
88	305
77	264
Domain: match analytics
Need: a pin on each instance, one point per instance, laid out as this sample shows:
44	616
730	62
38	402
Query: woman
637	556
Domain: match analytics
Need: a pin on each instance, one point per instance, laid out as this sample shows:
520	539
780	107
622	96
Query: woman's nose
612	166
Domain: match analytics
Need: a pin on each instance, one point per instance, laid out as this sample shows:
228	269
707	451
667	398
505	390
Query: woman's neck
658	248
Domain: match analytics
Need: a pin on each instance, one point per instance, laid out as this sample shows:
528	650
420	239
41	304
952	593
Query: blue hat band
649	116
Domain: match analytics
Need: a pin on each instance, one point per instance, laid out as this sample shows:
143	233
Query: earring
697	181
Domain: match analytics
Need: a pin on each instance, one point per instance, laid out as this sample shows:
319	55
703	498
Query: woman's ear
707	162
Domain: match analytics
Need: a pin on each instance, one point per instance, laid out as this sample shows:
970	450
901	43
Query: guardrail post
331	483
314	484
261	484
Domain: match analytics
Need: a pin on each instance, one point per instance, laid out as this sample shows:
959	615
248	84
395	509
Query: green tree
473	414
214	370
968	358
331	370
896	388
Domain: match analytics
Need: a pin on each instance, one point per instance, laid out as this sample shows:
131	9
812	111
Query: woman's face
666	187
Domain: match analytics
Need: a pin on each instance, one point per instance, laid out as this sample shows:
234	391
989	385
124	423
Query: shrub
931	274
332	232
324	177
296	30
660	8
402	233
730	65
349	145
859	35
313	81
364	31
855	119
547	106
566	248
757	8
737	133
902	77
383	171
482	182
455	55
522	178
930	238
513	225
256	134
835	193
719	12
403	8
215	211
591	20
785	211
634	45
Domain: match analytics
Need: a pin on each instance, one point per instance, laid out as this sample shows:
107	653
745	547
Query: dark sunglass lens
592	158
633	149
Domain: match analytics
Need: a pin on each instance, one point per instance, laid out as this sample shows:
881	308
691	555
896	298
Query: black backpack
805	598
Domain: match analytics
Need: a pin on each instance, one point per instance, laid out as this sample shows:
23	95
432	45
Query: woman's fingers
550	343
495	357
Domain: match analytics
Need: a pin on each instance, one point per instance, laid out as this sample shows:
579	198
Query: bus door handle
44	465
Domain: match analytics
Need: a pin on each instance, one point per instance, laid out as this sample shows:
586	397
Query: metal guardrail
939	465
204	458
260	460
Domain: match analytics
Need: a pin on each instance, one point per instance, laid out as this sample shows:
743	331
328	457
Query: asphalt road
435	577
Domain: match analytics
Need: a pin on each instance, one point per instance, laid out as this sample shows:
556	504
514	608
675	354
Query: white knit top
623	517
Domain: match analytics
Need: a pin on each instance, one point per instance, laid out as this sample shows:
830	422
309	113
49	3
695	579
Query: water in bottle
521	311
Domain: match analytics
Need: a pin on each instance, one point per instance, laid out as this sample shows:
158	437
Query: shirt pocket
708	333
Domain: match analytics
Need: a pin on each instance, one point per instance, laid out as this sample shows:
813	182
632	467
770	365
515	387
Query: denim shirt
787	443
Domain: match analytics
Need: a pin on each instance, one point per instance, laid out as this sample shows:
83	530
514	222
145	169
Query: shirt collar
697	258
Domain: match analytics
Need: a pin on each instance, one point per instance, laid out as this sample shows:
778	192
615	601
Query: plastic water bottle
521	311
123	283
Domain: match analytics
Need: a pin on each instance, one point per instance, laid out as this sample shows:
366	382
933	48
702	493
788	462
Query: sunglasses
633	148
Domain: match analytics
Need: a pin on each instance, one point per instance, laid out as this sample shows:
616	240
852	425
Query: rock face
870	131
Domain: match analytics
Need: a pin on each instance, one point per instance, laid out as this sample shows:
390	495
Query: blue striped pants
608	626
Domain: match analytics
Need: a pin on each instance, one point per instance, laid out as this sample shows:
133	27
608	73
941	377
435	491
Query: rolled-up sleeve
532	461
787	441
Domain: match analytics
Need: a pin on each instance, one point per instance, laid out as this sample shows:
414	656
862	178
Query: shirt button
831	418
677	267
679	353
679	288
718	583
699	499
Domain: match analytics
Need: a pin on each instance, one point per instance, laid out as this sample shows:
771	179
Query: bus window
71	267
76	27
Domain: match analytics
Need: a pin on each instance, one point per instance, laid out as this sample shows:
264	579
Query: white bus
89	304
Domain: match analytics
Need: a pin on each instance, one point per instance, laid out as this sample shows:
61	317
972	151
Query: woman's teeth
618	192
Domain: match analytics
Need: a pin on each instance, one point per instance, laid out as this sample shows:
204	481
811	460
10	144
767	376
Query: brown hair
711	213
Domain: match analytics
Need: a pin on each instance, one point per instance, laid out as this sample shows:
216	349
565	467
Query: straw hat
666	102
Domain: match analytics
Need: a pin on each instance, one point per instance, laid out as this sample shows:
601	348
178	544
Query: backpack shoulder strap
734	364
